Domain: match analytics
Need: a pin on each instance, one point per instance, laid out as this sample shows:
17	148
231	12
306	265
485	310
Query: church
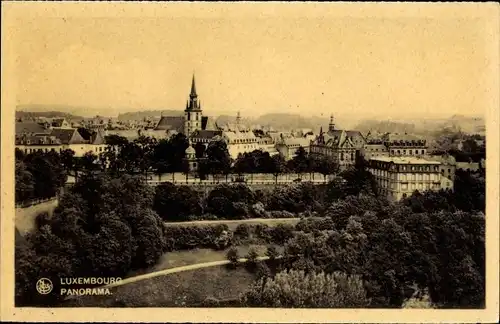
192	121
342	145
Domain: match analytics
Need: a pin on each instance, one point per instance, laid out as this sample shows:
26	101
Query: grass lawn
189	288
182	258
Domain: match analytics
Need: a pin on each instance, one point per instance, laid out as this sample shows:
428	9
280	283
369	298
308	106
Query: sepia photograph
266	157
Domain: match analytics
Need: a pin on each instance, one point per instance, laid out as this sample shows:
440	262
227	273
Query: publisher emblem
44	286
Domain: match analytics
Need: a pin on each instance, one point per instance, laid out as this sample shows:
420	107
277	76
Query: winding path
176	270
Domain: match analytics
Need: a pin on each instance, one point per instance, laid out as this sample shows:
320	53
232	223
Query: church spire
238	118
193	89
331	126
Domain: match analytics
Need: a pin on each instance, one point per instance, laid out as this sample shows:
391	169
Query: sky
391	66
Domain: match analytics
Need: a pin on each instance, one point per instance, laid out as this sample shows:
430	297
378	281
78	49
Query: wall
25	217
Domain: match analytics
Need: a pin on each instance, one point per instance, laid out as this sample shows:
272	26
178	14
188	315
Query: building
341	145
191	121
399	177
389	144
240	142
59	139
191	159
288	146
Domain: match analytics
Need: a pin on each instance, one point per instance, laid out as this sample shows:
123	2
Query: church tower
331	126
192	113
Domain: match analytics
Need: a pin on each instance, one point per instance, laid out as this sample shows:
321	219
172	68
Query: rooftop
404	160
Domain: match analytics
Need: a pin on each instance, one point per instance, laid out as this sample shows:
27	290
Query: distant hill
77	111
288	121
140	115
424	126
47	114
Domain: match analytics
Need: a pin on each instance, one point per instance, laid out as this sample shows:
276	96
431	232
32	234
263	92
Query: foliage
232	255
230	201
38	175
177	203
296	198
190	237
217	161
103	227
272	252
298	289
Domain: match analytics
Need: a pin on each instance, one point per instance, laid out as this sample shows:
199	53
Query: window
411	152
404	186
399	152
342	156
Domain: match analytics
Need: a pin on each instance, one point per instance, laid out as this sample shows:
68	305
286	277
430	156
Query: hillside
425	126
47	114
140	115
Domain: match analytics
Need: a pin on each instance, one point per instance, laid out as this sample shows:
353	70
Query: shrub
281	233
252	255
262	271
232	255
258	210
242	232
296	289
272	252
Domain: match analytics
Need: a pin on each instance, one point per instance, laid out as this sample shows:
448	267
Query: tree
297	289
177	203
68	160
24	182
272	252
48	173
218	160
278	166
103	226
200	150
359	180
300	162
326	166
232	255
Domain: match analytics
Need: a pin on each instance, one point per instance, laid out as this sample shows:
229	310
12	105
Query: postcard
255	162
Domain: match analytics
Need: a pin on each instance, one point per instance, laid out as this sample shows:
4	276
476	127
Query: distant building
341	145
399	177
191	159
59	139
288	146
389	144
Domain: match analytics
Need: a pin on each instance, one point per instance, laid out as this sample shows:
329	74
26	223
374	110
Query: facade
60	139
287	147
394	145
240	142
399	177
341	145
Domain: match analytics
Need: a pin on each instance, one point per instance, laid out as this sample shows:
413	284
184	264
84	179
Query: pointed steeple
238	118
193	88
331	126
